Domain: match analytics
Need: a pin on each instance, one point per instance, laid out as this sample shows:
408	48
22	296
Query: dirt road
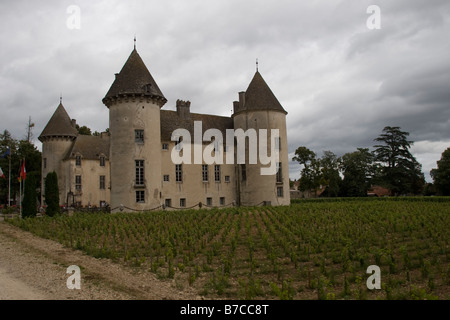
36	268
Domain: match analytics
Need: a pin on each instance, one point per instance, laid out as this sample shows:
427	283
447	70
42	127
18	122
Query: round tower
57	138
258	108
134	101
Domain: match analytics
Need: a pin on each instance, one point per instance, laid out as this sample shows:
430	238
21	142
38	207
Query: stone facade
131	167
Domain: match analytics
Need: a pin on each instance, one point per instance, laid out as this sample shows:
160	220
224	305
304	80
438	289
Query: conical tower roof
259	96
134	79
59	125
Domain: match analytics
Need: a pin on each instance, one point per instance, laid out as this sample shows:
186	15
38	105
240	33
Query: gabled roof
59	125
259	96
134	79
89	147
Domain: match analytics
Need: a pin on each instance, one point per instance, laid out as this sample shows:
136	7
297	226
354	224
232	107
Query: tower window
165	146
205	173
280	192
222	201
139	136
217	173
227	178
78	183
139	172
178	173
140	196
279	172
166	178
102	182
209	201
182	202
45	163
243	172
168	202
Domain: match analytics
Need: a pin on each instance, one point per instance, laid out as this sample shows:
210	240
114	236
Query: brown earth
35	268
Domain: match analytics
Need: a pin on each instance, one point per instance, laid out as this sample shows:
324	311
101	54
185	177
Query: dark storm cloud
340	82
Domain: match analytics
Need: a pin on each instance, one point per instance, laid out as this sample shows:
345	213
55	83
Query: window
209	201
166	178
78	183
280	192
243	172
165	146
78	160
102	161
140	196
205	173
279	172
182	202
139	172
168	202
217	173
102	182
227	178
222	201
178	173
139	136
45	163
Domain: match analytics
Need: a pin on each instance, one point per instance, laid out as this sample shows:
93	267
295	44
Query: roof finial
256	64
134	41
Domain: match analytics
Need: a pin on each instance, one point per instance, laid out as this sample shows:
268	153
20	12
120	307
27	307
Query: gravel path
36	268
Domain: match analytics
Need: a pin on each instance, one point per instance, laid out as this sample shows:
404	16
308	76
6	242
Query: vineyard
308	250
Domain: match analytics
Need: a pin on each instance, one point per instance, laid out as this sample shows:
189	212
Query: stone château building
131	168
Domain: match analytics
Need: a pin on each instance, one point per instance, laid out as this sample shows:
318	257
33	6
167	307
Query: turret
134	101
57	139
258	108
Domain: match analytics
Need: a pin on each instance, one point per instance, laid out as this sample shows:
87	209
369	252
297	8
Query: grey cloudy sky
340	81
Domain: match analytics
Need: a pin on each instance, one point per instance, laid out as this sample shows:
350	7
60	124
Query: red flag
23	172
1	174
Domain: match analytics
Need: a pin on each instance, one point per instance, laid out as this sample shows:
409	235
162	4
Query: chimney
116	74
74	123
235	106
241	100
184	109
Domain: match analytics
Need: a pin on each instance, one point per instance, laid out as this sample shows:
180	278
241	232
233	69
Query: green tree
83	130
330	174
29	207
400	171
358	169
310	174
441	175
52	194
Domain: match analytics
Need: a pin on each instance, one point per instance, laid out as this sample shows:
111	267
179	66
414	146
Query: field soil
32	268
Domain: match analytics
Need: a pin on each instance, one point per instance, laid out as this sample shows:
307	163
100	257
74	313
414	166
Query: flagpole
9	176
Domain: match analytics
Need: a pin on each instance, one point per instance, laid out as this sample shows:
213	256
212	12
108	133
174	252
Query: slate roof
170	121
134	79
59	125
259	96
89	147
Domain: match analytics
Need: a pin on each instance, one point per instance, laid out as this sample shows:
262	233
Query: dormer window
78	160
102	161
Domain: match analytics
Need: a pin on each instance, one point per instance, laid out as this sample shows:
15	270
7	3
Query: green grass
309	250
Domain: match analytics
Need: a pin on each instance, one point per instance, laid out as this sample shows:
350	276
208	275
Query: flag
23	172
1	174
7	153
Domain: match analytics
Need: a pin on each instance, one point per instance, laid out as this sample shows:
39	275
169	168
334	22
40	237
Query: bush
52	194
